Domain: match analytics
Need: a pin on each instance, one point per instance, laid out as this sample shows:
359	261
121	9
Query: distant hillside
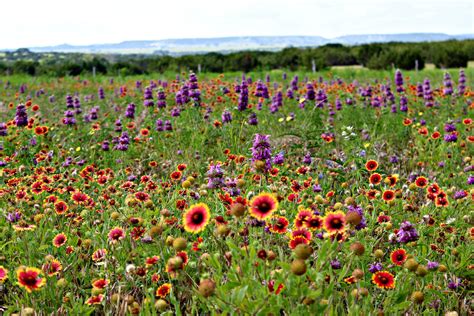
231	44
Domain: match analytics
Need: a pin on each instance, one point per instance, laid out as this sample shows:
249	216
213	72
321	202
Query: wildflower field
345	192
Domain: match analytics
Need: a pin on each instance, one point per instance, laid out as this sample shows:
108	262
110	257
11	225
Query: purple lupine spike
215	176
101	93
226	117
243	97
310	94
252	120
448	84
399	81
461	82
159	125
148	97
3	129
161	99
130	111
261	150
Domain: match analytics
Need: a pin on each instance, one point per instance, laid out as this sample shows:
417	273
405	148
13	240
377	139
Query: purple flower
461	82
470	180
432	265
279	158
448	84
261	150
374	267
358	209
335	264
243	97
130	111
21	117
394	159
407	233
101	93
307	159
460	194
449	127
252	120
452	285
399	80
215	176
310	94
105	145
3	129
13	217
226	117
449	138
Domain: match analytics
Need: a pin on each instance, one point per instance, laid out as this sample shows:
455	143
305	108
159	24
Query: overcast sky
27	23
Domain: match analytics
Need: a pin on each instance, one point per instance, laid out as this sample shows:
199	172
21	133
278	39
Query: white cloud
49	22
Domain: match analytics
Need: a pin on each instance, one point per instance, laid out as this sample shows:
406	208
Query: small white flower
450	220
130	268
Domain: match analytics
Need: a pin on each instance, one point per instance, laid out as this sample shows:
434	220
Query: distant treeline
448	54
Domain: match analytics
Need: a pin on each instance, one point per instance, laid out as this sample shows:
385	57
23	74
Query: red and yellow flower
59	240
263	205
3	274
30	278
334	222
398	257
163	290
196	218
384	280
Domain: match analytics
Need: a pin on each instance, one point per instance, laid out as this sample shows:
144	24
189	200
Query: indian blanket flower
263	205
371	165
59	240
384	280
334	222
196	218
99	255
261	152
30	278
52	267
407	233
279	225
163	290
116	234
100	283
398	257
3	274
95	300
